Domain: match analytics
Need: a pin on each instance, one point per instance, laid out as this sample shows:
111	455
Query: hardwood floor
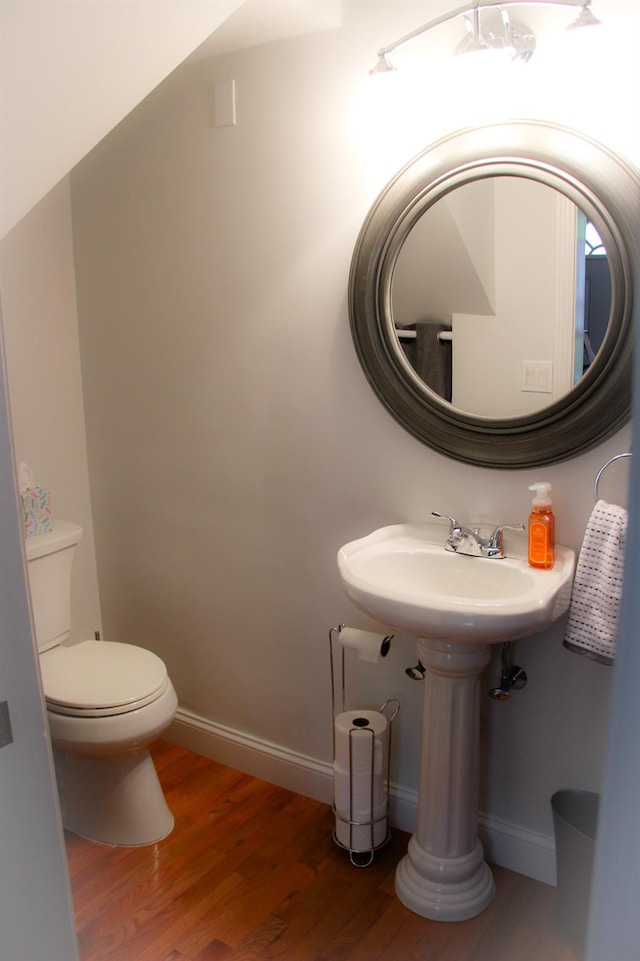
250	873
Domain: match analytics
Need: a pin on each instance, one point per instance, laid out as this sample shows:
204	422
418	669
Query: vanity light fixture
516	39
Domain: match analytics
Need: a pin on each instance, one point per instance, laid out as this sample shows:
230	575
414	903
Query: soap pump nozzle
543	494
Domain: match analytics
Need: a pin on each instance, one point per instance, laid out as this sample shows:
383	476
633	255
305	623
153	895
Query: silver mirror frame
602	185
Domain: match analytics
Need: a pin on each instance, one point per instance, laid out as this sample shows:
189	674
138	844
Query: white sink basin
403	577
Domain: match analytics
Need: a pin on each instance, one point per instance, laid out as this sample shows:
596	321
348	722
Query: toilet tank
49	559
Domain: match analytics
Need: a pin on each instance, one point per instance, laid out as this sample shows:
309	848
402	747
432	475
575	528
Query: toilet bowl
106	702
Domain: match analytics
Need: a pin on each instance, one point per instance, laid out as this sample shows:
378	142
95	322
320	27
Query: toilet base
113	799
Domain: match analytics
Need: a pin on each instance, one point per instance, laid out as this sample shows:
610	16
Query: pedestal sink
456	606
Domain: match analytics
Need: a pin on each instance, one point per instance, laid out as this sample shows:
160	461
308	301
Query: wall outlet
6	734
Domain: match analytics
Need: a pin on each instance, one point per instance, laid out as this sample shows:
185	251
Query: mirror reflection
501	296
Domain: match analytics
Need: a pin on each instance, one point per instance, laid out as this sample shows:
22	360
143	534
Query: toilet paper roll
359	838
359	776
360	804
358	797
366	644
359	738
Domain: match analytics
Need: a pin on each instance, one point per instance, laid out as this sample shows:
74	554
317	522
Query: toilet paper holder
361	837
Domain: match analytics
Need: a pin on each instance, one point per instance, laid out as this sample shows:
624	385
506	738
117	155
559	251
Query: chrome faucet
464	540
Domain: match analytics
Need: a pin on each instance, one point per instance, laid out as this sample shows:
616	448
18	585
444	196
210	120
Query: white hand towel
597	589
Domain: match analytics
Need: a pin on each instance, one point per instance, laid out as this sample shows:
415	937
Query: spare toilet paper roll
366	644
358	795
361	810
361	837
359	738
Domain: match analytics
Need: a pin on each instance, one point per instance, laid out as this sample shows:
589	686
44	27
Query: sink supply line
469	541
512	677
361	765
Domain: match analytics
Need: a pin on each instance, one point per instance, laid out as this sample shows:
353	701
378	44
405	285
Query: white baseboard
508	845
518	849
253	755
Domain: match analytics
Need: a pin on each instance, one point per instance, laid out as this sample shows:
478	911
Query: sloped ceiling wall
70	70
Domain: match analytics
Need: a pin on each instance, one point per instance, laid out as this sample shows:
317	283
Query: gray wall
234	444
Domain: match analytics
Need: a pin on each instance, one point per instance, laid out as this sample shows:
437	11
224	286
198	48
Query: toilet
106	702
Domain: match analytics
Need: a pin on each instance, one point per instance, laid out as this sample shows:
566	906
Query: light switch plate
537	376
225	103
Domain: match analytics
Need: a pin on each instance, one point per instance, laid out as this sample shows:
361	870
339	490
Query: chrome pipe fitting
416	673
512	677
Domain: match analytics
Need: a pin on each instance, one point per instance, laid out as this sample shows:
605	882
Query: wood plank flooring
250	873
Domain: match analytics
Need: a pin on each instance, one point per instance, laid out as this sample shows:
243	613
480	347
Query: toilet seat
101	678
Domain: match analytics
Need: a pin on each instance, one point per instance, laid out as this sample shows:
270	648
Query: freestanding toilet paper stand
361	834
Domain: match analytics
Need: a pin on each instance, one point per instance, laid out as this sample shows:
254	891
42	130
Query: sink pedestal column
444	876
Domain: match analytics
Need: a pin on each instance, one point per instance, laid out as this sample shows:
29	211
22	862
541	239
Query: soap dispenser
541	528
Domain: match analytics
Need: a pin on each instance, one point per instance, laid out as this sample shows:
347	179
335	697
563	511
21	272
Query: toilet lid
101	677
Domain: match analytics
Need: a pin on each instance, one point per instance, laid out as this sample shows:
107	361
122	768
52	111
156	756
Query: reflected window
593	246
597	293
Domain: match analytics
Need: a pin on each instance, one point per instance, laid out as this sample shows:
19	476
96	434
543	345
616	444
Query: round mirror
491	294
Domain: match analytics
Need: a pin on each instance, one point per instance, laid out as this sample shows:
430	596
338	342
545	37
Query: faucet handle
496	538
455	534
508	527
447	517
